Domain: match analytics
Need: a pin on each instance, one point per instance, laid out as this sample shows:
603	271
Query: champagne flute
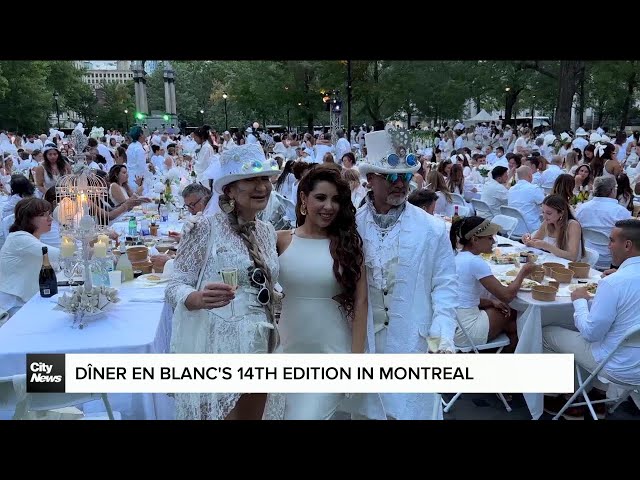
230	277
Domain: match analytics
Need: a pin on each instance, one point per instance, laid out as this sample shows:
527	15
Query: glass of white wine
230	277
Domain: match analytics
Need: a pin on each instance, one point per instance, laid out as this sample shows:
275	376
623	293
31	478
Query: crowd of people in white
360	219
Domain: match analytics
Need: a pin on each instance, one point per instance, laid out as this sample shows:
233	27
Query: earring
232	203
303	209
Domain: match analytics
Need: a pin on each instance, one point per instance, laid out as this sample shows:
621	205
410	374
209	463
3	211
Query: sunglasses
393	177
259	280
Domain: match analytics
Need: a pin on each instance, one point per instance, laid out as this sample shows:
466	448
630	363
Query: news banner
299	373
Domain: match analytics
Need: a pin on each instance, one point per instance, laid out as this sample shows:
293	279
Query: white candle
100	250
68	247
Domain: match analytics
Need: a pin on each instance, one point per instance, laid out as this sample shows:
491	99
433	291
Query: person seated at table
425	199
119	189
625	193
495	191
583	179
601	213
20	187
560	233
482	318
614	310
437	183
564	186
527	198
21	254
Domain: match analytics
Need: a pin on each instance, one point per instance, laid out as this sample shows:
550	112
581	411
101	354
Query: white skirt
476	323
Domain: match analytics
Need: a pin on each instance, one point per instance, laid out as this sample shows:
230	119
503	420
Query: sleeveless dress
311	321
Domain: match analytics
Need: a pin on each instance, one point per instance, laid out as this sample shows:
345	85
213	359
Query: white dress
212	245
311	321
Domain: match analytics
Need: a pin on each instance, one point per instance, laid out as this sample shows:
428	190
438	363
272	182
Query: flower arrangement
82	302
484	170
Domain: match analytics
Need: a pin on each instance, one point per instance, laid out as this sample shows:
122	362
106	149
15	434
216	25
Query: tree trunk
478	105
511	97
567	83
631	85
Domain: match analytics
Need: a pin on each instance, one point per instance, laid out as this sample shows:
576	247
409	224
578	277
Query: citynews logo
45	373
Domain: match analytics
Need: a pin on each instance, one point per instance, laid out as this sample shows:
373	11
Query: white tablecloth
534	314
129	326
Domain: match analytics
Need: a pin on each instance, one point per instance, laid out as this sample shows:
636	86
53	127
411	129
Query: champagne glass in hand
230	277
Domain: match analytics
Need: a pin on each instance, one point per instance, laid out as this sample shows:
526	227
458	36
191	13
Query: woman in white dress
204	153
119	189
53	167
21	254
560	233
212	316
324	309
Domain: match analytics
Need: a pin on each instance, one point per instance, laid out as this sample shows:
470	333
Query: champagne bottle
47	279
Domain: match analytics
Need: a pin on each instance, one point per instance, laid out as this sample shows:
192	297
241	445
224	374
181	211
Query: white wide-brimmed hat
244	161
580	132
387	155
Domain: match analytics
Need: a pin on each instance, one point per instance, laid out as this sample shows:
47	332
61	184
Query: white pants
562	340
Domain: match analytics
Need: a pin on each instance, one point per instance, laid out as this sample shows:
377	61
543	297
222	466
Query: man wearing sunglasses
410	273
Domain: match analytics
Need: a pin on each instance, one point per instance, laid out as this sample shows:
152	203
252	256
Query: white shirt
614	310
527	198
342	146
136	163
470	269
548	177
495	195
601	214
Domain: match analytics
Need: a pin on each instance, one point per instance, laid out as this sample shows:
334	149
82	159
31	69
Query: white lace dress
212	245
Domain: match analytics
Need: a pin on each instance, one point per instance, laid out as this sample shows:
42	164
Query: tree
117	99
28	100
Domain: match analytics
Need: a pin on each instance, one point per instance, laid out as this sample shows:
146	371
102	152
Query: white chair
591	256
458	199
596	238
463	211
482	208
499	342
508	224
630	339
522	227
13	396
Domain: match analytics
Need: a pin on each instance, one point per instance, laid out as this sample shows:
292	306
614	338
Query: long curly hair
345	243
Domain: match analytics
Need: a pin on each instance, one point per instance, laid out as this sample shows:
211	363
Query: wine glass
230	277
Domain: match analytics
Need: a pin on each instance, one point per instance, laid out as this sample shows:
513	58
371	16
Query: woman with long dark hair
322	273
52	169
560	232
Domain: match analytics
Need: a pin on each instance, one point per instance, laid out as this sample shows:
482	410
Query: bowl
137	253
537	274
550	265
544	293
562	275
580	269
554	283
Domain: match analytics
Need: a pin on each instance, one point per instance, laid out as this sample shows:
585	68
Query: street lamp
202	116
506	101
55	97
126	118
226	118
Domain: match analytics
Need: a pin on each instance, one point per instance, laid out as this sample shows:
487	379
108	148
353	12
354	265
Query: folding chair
591	256
522	227
458	199
631	338
596	238
499	342
13	397
482	208
507	223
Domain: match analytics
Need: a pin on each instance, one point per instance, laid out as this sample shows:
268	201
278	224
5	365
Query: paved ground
489	407
484	406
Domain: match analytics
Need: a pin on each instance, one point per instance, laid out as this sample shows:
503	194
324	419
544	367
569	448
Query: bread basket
543	293
580	269
562	275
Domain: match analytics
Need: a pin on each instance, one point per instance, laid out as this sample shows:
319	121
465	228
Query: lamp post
506	101
55	97
202	116
533	107
126	118
226	118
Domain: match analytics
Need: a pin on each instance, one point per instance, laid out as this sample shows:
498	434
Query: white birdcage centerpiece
81	212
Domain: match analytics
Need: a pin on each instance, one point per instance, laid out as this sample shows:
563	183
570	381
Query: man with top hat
410	272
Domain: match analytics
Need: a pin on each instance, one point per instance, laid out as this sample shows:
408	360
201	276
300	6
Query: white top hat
244	161
581	132
383	157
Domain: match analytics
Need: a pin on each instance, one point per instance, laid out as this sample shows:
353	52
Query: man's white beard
395	200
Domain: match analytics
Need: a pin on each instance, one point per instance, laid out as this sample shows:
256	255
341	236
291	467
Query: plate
154	278
574	286
526	283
